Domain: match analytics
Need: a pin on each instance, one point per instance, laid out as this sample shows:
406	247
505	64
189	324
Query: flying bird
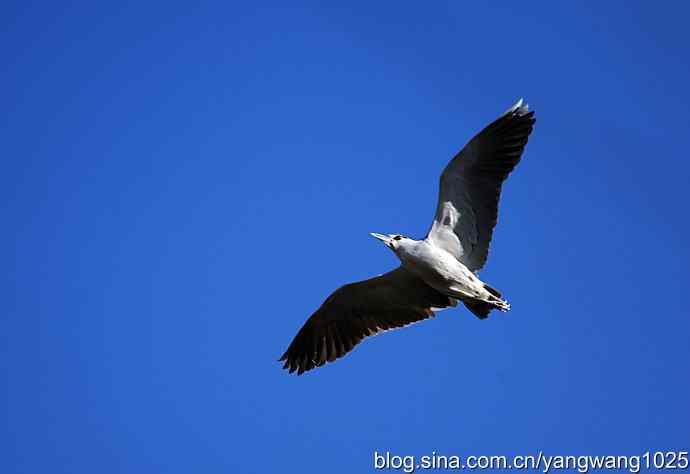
435	272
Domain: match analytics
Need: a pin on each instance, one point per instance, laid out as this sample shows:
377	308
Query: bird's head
392	241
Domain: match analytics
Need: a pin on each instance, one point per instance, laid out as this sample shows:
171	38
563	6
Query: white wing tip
520	108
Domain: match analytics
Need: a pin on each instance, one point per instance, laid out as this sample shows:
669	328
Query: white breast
439	269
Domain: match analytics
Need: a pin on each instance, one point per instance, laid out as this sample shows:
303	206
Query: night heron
435	272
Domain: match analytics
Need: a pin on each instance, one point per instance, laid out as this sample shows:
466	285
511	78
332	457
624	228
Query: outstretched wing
471	185
357	310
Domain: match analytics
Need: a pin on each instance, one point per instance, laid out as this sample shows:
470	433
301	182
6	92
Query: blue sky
182	185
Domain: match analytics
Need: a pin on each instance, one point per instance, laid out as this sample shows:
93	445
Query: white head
395	242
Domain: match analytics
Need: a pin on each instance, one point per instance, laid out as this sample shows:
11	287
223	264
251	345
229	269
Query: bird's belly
442	271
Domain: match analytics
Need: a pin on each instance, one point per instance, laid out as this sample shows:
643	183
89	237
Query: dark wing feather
470	186
358	310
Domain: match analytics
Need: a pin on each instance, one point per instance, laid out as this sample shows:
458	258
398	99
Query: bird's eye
397	237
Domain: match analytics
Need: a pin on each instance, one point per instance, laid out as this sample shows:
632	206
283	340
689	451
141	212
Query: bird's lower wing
357	310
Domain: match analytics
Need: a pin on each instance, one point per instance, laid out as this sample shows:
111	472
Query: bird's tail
482	308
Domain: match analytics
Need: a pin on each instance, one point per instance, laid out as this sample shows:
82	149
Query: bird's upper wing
471	184
357	310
